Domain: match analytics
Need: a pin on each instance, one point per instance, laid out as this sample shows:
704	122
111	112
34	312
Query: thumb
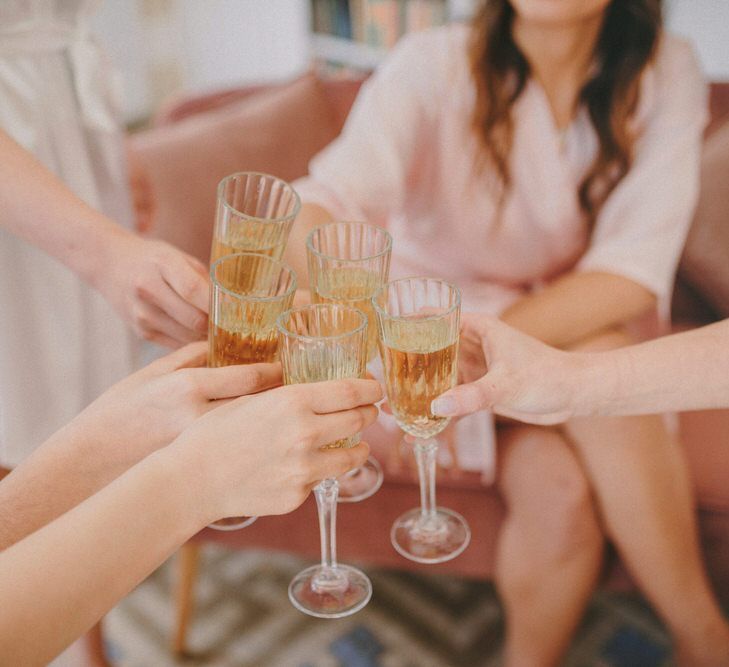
465	399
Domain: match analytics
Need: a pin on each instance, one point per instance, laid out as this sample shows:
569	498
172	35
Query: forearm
310	217
39	208
577	306
687	371
28	501
60	580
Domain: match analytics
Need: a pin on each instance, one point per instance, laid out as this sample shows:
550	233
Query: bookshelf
357	34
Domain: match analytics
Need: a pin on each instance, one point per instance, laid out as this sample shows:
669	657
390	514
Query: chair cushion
275	131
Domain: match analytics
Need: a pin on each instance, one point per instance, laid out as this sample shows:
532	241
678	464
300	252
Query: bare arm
577	306
136	417
535	383
686	371
159	290
61	579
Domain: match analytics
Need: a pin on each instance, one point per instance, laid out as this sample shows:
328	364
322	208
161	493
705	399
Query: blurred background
165	46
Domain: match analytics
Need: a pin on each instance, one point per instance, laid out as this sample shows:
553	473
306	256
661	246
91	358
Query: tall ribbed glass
326	342
418	323
254	213
248	292
348	263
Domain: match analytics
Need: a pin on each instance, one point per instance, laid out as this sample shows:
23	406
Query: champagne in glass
254	213
348	263
326	342
248	292
418	326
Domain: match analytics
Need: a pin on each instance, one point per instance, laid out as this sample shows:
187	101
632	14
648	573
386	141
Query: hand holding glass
247	294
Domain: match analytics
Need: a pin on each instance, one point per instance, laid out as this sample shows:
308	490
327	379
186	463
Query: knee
568	516
554	526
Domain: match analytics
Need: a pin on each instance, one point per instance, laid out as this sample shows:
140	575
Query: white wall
706	24
162	46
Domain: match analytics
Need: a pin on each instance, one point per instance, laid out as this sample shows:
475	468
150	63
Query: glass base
233	523
434	539
361	483
330	593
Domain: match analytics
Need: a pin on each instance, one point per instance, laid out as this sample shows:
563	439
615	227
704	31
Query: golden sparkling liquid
244	244
351	287
417	370
228	348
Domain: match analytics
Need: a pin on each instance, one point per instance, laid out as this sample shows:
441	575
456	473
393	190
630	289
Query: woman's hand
512	374
160	291
151	407
262	454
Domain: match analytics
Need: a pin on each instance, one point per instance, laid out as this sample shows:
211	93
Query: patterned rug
243	618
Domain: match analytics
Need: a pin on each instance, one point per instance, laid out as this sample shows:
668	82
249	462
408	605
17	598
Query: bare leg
550	547
645	498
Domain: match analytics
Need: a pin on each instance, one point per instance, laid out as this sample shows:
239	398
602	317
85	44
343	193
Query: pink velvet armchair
277	129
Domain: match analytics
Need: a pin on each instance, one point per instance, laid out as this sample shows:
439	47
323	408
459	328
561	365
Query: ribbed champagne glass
418	326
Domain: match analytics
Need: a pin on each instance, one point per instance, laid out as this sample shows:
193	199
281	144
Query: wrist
188	471
590	385
92	261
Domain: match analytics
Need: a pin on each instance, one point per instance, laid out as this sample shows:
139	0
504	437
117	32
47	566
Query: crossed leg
550	547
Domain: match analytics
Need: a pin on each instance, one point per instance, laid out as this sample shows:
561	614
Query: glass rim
319	253
452	308
252	297
280	219
285	331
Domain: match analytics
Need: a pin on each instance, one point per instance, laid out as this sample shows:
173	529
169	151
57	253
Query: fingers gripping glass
348	263
418	326
317	343
247	294
254	213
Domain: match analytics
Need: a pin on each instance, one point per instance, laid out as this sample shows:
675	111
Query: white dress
61	344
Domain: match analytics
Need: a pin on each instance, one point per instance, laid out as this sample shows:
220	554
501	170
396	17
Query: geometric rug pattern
243	618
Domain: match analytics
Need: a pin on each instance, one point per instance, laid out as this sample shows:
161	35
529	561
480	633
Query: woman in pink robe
570	270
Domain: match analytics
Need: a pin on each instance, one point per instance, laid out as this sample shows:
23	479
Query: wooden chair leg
187	563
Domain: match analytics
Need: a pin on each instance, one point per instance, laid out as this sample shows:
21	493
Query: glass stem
425	456
326	493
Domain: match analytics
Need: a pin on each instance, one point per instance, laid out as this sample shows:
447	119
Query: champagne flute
348	263
418	326
248	292
254	213
325	342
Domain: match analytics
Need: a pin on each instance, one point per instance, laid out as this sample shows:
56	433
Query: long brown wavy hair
625	45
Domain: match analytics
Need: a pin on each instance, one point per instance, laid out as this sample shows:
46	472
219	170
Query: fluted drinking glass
326	342
254	213
348	263
418	323
248	292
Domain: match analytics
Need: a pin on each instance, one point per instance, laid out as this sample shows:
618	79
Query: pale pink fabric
405	160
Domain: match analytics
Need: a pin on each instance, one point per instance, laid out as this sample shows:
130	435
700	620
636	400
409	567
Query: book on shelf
377	23
332	17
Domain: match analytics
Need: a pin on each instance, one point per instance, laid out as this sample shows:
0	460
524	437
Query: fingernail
443	406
